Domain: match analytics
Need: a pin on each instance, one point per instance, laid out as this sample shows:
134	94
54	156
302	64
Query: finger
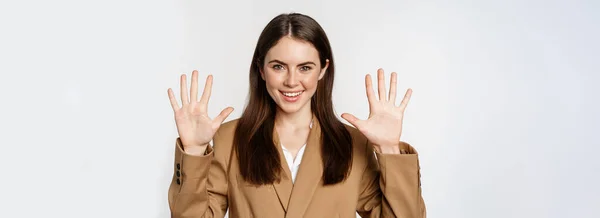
406	99
194	90
173	100
393	83
351	119
369	88
223	115
183	90
207	91
381	84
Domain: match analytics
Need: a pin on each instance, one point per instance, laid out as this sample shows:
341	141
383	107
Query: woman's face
291	71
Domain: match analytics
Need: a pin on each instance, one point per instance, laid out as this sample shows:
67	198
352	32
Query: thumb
351	119
223	115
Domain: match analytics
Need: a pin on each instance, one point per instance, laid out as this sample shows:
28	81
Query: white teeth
291	94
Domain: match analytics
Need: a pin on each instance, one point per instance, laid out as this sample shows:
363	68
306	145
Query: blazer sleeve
199	185
391	185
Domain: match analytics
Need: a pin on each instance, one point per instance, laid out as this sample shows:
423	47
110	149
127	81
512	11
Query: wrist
196	150
389	149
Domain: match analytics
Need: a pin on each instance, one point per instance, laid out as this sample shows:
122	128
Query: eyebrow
281	62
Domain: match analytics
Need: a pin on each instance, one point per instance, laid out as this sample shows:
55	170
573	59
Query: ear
324	69
262	74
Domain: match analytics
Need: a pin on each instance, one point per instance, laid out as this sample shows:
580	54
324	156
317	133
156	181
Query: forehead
292	51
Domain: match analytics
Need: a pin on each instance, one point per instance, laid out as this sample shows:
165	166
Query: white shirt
293	164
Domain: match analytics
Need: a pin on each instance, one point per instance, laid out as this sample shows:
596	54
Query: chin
292	108
289	109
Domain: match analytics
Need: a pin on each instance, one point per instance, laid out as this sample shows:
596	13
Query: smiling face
291	71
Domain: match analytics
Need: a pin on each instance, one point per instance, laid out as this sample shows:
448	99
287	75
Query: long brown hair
258	157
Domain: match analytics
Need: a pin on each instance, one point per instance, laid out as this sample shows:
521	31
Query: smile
291	96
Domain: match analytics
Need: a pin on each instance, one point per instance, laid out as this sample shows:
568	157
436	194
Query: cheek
271	79
310	82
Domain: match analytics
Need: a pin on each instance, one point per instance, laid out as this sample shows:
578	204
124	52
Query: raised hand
384	125
194	126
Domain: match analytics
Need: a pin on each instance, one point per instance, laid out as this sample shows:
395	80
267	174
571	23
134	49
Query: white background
504	111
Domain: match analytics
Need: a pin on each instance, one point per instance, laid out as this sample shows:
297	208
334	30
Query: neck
299	119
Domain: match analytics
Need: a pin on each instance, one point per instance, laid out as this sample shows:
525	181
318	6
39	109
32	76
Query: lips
291	96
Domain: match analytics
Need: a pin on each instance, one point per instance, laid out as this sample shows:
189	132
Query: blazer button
178	174
178	181
178	166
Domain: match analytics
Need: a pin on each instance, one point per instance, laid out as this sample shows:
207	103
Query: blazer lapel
309	173
283	188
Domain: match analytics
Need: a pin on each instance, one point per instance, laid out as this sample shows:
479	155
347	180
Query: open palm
384	125
194	126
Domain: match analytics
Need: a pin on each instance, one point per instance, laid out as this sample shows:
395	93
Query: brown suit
386	186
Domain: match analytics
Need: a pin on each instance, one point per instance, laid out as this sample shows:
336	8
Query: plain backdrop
504	112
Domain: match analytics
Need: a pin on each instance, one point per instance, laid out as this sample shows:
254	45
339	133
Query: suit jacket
379	185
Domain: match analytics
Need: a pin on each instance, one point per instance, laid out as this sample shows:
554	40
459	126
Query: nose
292	79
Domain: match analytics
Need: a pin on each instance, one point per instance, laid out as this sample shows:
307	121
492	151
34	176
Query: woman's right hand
194	126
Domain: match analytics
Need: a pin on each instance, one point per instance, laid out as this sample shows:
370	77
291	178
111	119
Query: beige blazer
379	185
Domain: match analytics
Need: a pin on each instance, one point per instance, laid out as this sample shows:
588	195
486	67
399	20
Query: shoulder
359	141
227	129
362	151
223	138
357	136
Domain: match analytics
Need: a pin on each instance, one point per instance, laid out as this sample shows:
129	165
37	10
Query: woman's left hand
384	125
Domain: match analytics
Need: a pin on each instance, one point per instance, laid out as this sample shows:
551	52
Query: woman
288	155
